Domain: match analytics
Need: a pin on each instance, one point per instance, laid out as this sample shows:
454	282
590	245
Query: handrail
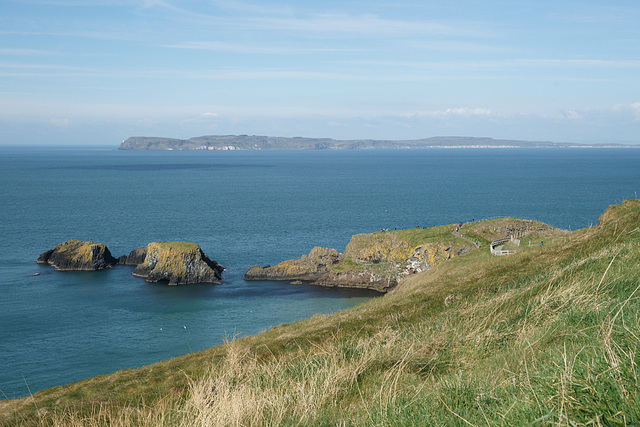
500	252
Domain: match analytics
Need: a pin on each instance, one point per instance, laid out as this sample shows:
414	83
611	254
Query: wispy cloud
107	34
256	48
26	52
250	16
75	3
585	62
470	46
635	110
454	112
253	8
359	24
45	67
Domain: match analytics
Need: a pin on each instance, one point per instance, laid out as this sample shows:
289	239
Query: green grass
548	336
180	246
348	264
415	236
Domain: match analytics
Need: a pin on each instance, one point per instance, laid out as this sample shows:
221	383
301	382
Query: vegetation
178	246
547	336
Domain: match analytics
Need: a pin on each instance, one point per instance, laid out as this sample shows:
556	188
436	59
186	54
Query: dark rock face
309	267
363	279
178	263
78	255
44	257
135	257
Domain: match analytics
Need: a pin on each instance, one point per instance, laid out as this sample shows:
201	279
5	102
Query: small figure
541	243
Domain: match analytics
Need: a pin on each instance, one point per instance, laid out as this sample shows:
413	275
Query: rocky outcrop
78	255
375	261
430	254
135	257
178	263
309	267
175	262
363	279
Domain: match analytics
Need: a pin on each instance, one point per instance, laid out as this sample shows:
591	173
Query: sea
242	208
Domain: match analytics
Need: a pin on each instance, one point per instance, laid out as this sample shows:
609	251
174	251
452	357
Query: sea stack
77	255
178	263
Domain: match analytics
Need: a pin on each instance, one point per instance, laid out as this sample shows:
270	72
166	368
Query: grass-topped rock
309	267
78	255
380	260
178	263
372	261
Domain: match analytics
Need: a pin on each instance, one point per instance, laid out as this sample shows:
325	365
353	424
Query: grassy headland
547	336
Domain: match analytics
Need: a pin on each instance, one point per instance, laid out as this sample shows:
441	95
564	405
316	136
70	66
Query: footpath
456	233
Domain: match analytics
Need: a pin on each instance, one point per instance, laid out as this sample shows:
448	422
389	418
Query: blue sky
97	72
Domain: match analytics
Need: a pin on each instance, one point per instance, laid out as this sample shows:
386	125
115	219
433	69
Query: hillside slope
549	335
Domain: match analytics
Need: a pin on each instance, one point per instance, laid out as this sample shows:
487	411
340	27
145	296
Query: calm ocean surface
243	208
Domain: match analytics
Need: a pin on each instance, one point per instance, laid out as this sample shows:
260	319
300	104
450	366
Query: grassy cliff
547	336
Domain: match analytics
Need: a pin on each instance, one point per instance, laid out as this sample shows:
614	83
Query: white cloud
60	122
455	112
625	109
572	115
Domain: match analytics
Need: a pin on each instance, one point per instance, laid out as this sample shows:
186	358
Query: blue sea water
243	208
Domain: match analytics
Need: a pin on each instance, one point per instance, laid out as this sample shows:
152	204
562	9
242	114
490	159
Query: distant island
256	142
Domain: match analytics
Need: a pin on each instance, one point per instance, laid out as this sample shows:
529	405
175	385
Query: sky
95	72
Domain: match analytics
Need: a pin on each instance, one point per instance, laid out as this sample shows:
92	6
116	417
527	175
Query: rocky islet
77	255
175	262
180	263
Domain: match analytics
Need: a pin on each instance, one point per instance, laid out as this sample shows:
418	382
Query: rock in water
309	267
178	263
135	257
78	255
